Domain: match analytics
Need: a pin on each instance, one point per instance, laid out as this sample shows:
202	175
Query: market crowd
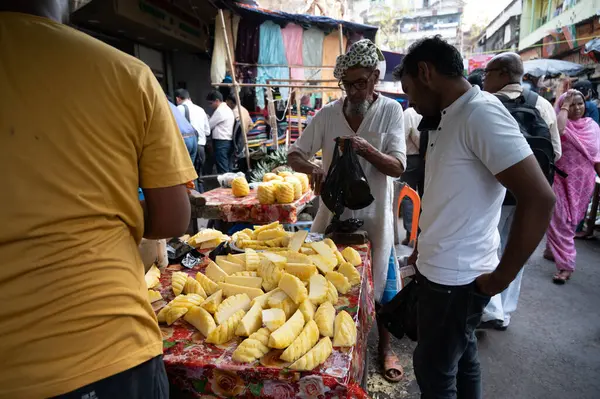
75	320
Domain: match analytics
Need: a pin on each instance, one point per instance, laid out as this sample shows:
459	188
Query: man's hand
317	177
412	259
490	284
360	145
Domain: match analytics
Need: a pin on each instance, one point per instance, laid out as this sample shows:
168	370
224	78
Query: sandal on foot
392	369
561	277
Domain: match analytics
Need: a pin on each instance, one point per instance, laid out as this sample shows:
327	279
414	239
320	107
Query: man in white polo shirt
476	152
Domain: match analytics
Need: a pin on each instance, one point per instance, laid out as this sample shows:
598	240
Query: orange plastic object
416	200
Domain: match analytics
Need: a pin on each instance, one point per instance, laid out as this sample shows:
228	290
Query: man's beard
357	109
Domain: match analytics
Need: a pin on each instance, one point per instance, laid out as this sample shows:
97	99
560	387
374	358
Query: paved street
550	351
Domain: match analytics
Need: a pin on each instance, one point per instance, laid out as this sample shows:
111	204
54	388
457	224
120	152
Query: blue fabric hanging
271	52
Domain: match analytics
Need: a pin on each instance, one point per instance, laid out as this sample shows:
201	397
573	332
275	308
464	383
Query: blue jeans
191	142
445	360
222	149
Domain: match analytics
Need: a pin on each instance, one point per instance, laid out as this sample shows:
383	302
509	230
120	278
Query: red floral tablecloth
207	370
222	205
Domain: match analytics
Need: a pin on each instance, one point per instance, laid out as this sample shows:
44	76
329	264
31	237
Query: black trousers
145	381
445	360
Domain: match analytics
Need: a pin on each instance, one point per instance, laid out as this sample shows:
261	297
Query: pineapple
152	276
212	302
271	176
174	313
285	193
245	274
188	300
304	181
245	281
279	260
240	187
178	280
297	240
294	257
273	318
285	174
154	296
308	310
231	290
340	282
329	242
303	343
226	330
192	286
204	236
350	272
332	293
252	259
209	286
278	242
324	317
271	234
323	249
282	301
344	330
318	289
286	334
251	322
302	271
253	347
266	194
296	185
229	267
270	226
201	319
230	306
352	256
324	264
270	273
214	272
314	357
240	259
294	288
263	299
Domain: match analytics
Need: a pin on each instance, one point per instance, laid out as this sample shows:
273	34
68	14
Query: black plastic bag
399	316
346	185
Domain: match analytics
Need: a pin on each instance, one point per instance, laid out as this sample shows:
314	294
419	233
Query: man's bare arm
316	173
535	202
166	212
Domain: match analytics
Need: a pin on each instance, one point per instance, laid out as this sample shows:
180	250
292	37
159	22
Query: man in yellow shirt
82	125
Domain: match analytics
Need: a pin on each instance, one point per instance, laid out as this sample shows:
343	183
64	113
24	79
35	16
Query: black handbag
399	316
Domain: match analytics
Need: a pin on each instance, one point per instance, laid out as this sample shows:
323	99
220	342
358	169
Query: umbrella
545	66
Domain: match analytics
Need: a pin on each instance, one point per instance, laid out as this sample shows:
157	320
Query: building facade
502	34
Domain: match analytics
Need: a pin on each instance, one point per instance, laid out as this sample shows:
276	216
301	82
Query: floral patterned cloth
207	371
222	205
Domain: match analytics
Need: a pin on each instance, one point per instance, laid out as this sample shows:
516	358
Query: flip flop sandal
392	364
560	278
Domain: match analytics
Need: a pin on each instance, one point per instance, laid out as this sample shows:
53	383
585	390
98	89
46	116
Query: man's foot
392	369
490	325
503	326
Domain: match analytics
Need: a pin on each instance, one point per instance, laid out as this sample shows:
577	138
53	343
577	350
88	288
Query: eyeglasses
358	85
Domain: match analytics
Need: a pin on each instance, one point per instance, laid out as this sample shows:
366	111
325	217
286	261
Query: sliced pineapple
340	282
174	313
212	302
352	256
152	276
244	281
178	280
300	270
251	321
201	319
286	334
308	310
303	343
192	286
252	259
314	357
273	318
294	288
344	330
324	317
209	286
350	272
214	272
270	273
253	347
230	306
318	288
332	293
154	296
226	330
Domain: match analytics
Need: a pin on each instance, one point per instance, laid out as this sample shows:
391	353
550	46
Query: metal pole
272	118
341	35
235	89
329	88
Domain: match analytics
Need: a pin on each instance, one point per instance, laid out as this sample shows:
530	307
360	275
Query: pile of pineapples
278	300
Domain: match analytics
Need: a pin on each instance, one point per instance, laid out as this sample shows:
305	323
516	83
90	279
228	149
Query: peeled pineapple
245	274
314	357
178	280
340	282
251	321
253	347
281	300
323	263
225	331
304	181
266	194
174	313
295	257
152	277
212	302
193	287
273	318
285	173
230	306
318	289
308	310
271	234
296	185
271	176
302	271
285	193
294	288
344	330
240	187
252	259
350	272
352	256
201	319
270	273
203	236
209	286
324	317
214	272
303	343
286	334
332	293
154	296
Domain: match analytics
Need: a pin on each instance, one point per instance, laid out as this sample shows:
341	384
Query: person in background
581	161
246	119
413	176
75	319
196	116
374	125
221	126
187	132
502	77
475	152
476	78
591	108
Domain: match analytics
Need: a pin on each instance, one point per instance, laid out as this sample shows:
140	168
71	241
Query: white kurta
383	128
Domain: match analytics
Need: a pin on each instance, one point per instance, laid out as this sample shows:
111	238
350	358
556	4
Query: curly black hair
443	56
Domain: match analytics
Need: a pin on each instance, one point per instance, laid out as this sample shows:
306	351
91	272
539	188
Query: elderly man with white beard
374	124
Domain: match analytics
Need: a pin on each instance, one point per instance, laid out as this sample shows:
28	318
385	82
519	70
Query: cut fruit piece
251	321
240	187
344	330
270	273
188	300
178	280
252	259
308	310
214	272
330	244
240	260
264	298
340	282
277	242
273	318
297	240
286	334
293	257
270	226
350	272
231	290
304	181
322	249
303	343
314	357
245	274
229	267
212	302
212	243
203	236
193	287
244	281
231	305
174	313
339	257
324	264
282	301
265	193
201	319
352	256
154	296
271	234
253	347
296	185
226	330
209	286
284	193
152	277
324	317
294	288
300	270
332	293
279	260
318	287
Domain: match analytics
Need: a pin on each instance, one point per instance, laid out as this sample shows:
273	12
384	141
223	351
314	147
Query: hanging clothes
312	52
219	66
271	52
292	40
246	51
331	50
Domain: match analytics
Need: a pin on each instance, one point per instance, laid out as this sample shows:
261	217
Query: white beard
360	109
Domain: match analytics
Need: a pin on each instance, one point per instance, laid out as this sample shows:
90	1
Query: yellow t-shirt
82	125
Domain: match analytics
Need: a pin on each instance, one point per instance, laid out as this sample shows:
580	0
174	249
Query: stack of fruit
282	188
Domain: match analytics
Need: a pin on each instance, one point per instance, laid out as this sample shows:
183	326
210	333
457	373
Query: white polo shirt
476	139
198	119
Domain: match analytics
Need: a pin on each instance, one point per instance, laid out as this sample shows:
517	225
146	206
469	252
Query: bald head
503	69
